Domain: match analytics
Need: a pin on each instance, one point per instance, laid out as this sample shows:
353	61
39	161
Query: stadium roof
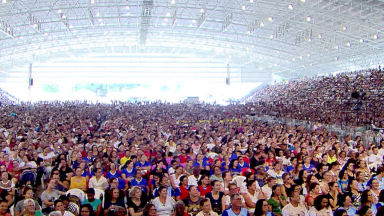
289	38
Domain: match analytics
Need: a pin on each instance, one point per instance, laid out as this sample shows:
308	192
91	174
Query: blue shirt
197	164
139	164
85	174
170	191
235	171
129	174
381	183
142	183
245	165
351	210
87	160
110	175
229	212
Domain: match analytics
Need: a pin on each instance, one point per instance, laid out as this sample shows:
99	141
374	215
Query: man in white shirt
193	179
374	159
294	208
267	189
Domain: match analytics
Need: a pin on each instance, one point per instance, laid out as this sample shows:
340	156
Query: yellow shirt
124	160
331	159
77	185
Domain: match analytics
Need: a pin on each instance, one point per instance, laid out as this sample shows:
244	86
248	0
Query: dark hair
146	208
203	201
342	198
259	207
318	200
312	186
232	163
224	174
363	210
160	189
274	188
364	197
182	179
250	182
57	201
213	182
339	212
300	180
202	177
90	209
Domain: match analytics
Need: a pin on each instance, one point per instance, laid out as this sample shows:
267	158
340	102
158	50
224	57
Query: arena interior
191	107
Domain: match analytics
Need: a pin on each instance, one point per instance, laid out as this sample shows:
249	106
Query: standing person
321	206
206	208
216	197
164	204
95	203
236	208
294	208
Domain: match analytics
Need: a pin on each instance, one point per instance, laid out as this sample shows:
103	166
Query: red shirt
183	192
203	191
183	159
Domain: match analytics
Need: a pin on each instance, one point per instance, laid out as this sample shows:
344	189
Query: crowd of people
326	99
158	159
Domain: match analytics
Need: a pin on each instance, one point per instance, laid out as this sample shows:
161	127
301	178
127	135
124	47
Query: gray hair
26	201
233	196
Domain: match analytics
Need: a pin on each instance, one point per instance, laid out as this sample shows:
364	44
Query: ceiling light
348	44
98	14
308	55
303	66
361	40
4	1
100	20
166	19
303	1
102	24
190	25
35	25
59	11
337	58
293	59
278	51
168	14
310	64
270	19
173	2
301	57
193	21
261	24
344	27
290	7
309	39
250	1
375	37
309	19
248	32
336	47
320	36
271	36
127	7
201	10
163	24
64	17
243	7
92	1
128	14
